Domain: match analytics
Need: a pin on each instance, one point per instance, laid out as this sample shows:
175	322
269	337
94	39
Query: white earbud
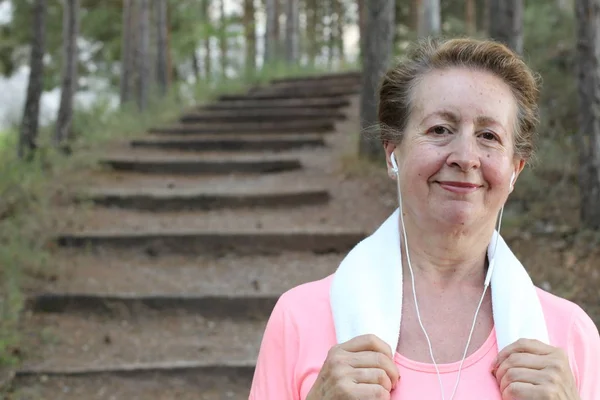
512	180
394	165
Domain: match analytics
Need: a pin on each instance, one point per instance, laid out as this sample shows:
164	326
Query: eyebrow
454	118
446	114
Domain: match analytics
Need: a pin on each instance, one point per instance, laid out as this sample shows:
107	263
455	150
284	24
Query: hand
532	370
361	368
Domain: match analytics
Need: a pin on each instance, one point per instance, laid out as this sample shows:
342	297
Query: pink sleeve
274	377
584	351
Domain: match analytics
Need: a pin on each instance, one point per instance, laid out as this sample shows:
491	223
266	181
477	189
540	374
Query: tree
223	38
271	31
311	30
63	128
379	39
429	18
506	23
292	31
31	114
162	58
338	8
415	9
362	24
207	48
126	51
250	35
470	17
142	58
588	138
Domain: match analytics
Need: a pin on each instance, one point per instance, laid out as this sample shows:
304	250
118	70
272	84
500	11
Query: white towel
366	292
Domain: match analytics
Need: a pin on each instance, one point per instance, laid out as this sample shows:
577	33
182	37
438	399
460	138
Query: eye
488	136
439	130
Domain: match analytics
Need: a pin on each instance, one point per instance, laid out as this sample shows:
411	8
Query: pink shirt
300	332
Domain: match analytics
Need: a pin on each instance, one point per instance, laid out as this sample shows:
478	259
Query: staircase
165	286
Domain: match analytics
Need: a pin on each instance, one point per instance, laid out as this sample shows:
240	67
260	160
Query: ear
389	148
518	165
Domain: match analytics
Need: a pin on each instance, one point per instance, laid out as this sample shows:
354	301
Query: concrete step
128	272
215	306
172	241
321	77
199	166
136	348
293	90
276	95
262	115
269	104
156	199
312	126
163	384
230	142
333	82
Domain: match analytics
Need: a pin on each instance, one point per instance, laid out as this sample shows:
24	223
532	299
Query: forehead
468	93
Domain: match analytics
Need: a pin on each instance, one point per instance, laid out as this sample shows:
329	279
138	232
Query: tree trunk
506	23
63	129
429	18
486	16
470	17
143	47
292	25
415	10
31	113
362	22
127	51
311	30
379	39
271	32
338	9
207	47
196	66
250	35
223	39
331	32
588	61
162	50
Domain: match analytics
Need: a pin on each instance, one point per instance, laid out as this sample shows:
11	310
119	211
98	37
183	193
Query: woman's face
456	157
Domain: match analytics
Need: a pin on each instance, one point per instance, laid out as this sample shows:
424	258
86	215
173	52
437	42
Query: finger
372	359
370	391
518	391
520	360
522	375
372	375
523	346
367	343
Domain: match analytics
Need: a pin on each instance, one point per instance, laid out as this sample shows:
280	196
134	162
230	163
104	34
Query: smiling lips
459	187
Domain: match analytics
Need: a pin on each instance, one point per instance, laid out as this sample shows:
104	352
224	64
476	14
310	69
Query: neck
446	258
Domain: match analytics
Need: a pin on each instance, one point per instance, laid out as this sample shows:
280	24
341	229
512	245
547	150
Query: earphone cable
486	284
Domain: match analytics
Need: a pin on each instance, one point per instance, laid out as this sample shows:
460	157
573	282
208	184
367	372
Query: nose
464	152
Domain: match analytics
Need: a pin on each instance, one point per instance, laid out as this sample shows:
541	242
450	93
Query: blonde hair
397	86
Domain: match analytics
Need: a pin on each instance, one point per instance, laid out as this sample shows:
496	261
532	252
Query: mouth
459	187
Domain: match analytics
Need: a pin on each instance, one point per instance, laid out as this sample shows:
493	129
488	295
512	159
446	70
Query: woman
458	120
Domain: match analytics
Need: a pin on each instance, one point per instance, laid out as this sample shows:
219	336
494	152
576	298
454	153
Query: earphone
487	280
394	165
512	179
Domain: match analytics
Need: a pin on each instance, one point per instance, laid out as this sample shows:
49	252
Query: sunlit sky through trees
13	88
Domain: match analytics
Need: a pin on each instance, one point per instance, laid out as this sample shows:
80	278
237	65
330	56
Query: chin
457	216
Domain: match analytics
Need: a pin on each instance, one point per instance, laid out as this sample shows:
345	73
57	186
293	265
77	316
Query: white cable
486	284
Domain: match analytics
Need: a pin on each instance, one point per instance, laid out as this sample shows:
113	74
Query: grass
28	190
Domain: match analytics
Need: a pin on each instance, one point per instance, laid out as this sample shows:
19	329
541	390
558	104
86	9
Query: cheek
496	172
423	162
